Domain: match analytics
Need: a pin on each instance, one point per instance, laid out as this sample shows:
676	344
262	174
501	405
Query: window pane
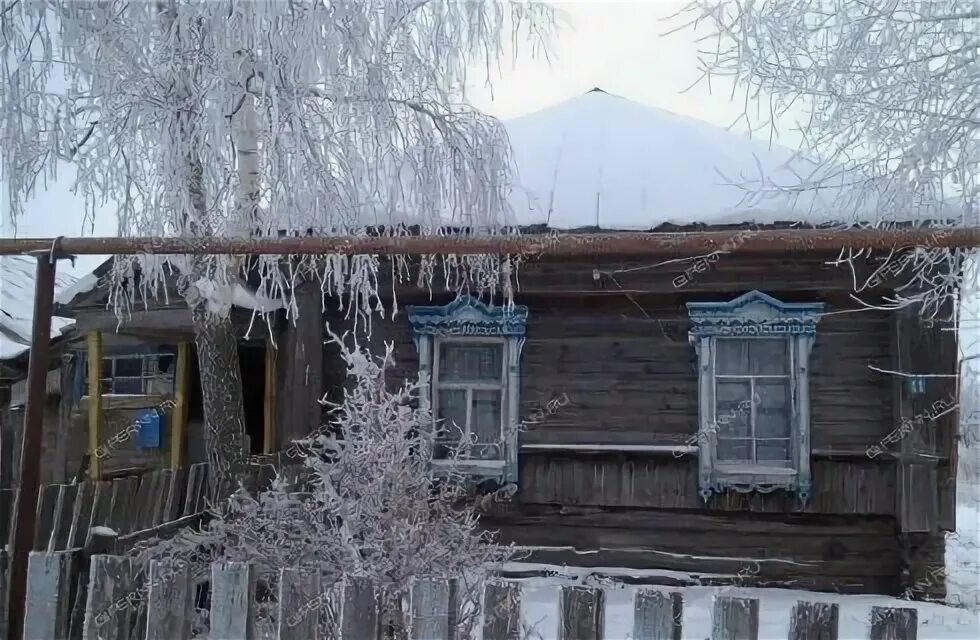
129	367
734	450
733	408
767	356
127	385
773	450
107	367
471	362
772	411
732	356
452	419
486	424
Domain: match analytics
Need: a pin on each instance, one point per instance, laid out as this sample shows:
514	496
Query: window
469	357
753	357
132	374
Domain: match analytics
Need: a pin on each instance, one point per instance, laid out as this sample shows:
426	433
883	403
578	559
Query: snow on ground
540	612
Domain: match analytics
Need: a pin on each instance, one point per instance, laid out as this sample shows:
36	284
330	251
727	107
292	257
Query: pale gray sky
620	46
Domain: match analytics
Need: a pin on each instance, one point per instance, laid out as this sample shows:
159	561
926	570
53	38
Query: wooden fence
133	507
124	604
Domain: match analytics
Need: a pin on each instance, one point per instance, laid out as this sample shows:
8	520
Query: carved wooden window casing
754	401
469	375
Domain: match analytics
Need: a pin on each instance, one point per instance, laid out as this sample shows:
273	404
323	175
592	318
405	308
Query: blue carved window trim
754	315
466	318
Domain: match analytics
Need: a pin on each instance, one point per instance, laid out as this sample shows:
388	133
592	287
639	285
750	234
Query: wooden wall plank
112	597
269	409
169	605
300	602
232	595
580	612
657	615
502	612
94	392
894	624
48	606
813	621
4	581
735	619
359	617
300	368
430	609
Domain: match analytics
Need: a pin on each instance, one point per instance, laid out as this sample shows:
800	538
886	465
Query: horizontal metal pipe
797	241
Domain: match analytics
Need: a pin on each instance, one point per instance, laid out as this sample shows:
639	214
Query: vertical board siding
169	605
300	601
657	615
735	619
894	624
111	596
48	607
813	621
501	612
581	612
232	590
430	610
359	615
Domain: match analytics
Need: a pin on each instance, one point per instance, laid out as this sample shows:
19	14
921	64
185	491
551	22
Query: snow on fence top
605	161
17	305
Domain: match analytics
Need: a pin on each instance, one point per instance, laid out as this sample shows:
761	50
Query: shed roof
17	274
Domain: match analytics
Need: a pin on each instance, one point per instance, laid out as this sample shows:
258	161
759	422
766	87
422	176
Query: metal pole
30	458
745	241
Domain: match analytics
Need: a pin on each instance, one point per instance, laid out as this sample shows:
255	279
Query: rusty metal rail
545	245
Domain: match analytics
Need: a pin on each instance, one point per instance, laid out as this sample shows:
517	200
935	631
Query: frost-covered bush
373	507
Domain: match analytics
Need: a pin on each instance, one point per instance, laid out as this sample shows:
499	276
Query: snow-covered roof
17	274
599	160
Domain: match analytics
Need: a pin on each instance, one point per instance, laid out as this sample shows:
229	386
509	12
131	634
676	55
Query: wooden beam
269	402
182	389
94	403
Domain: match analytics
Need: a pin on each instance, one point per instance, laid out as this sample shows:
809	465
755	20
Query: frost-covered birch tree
890	93
374	509
203	118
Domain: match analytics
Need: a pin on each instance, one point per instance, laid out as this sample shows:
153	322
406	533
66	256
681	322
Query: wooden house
722	419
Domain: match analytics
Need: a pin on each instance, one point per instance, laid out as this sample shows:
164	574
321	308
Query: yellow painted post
269	415
182	389
94	403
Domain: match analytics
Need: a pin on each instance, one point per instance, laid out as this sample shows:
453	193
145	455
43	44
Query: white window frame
147	363
469	320
469	387
754	315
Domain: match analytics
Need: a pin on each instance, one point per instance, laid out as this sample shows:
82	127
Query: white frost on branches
891	92
374	507
226	118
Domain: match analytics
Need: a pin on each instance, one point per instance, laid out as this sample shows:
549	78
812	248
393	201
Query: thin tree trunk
214	336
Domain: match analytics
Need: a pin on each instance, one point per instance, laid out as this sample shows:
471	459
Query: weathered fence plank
196	487
580	610
430	610
813	621
359	617
232	590
48	606
4	596
47	502
657	615
894	624
502	612
82	515
300	601
111	598
64	519
168	610
101	506
735	619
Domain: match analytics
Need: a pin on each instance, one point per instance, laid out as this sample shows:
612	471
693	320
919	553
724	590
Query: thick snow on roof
17	304
601	160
